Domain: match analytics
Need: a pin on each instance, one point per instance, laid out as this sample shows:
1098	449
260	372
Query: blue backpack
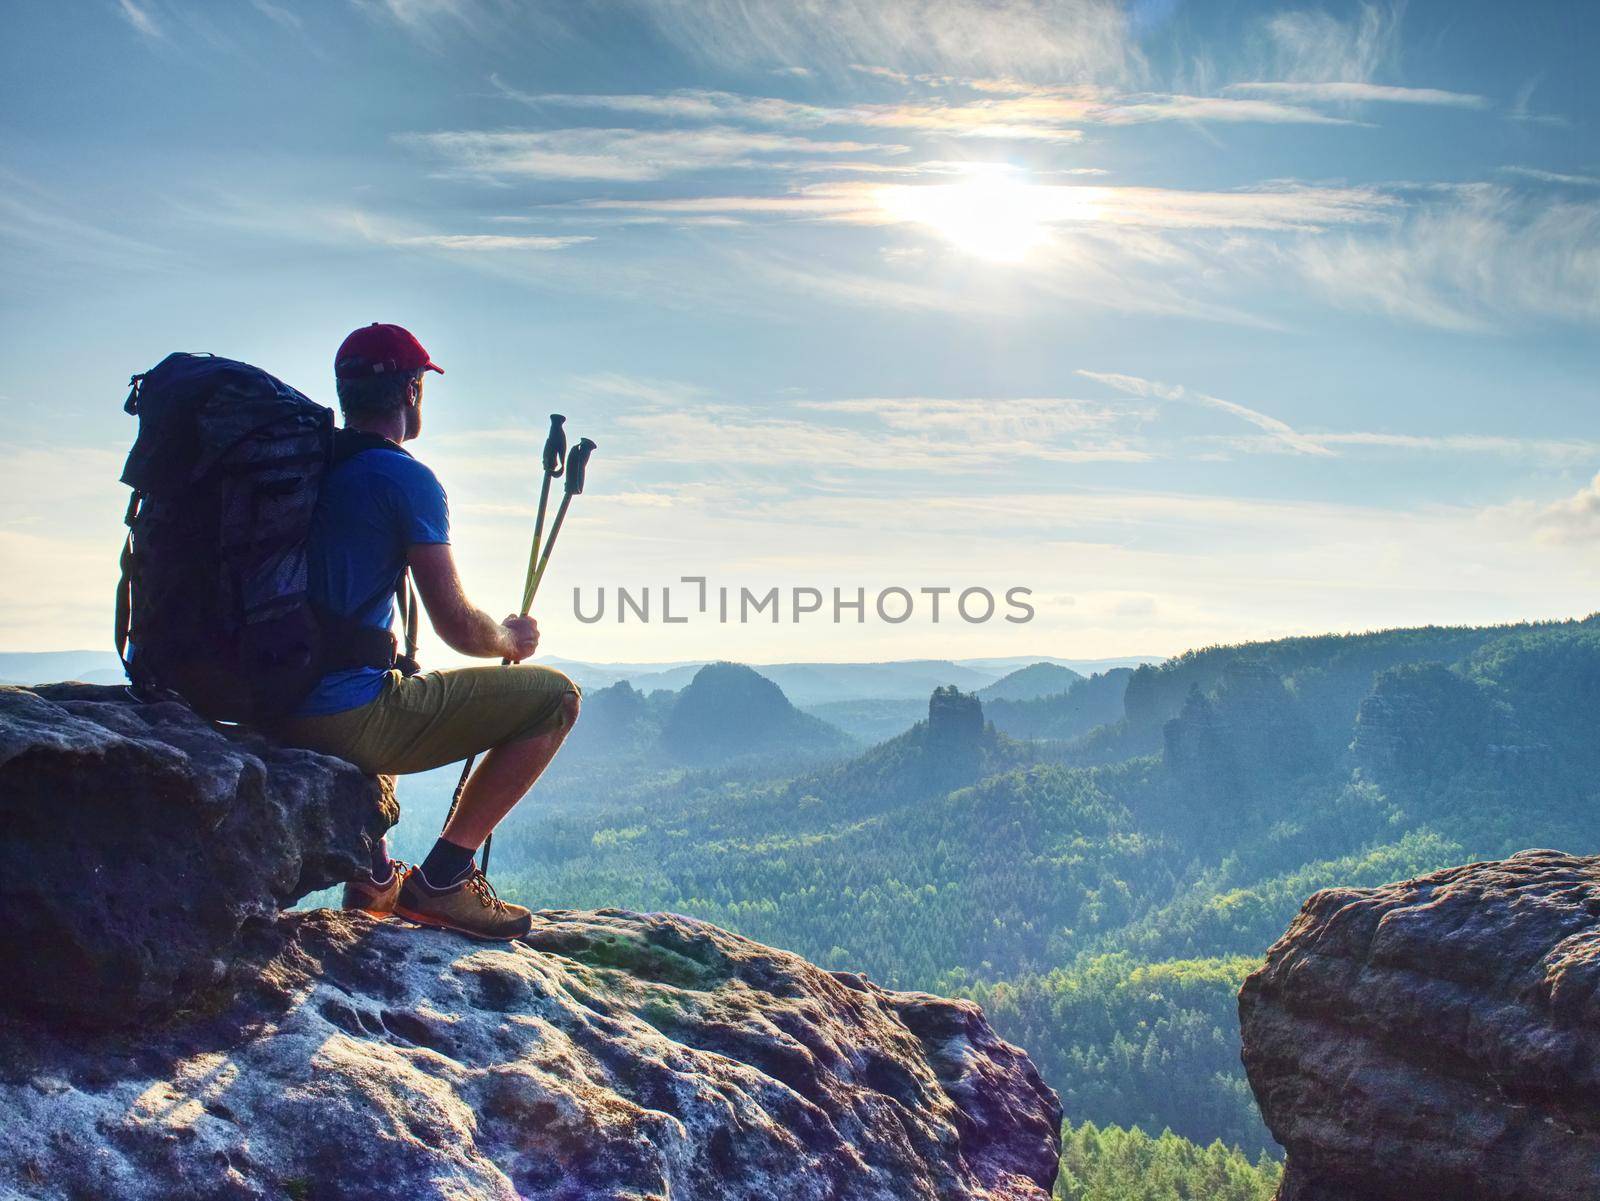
212	604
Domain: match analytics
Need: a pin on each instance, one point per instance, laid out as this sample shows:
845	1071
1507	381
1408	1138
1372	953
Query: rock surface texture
610	1055
140	847
1437	1039
167	1035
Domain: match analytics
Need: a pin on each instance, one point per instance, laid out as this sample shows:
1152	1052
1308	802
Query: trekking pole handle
578	465
555	447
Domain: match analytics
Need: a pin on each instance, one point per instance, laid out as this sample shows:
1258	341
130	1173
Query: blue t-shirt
372	507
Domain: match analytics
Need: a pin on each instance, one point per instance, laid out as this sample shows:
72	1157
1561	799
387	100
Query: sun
992	215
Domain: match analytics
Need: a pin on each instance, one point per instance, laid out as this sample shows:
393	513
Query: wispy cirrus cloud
1279	431
1557	450
41	226
1055	39
666	422
755	441
617	155
1279	435
141	18
1470	259
1315	58
1353	92
867	203
1069	428
974	108
490	243
1314	46
429	16
1564	178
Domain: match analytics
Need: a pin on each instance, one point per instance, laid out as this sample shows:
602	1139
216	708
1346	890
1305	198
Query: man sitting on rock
381	511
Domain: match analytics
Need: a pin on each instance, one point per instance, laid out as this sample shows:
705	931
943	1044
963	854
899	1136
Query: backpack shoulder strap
348	443
124	608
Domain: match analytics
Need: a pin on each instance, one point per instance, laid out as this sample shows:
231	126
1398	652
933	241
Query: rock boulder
140	847
1437	1039
610	1055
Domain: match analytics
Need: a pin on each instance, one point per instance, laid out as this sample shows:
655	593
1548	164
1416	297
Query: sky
1202	321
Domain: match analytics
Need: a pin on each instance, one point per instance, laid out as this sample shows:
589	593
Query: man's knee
571	703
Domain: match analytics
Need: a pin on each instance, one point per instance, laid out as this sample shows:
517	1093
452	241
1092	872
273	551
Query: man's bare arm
462	625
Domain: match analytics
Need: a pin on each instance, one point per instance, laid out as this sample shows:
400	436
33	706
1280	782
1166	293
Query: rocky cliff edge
168	1034
1436	1039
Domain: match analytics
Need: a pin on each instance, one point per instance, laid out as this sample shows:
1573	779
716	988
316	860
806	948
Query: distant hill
805	684
1328	675
1085	705
1084	667
1031	682
952	748
729	711
47	667
871	721
811	684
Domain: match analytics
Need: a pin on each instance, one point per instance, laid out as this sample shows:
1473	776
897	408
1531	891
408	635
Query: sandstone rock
1248	739
1437	1039
141	843
611	1055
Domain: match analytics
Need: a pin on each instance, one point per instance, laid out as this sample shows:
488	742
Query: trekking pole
557	462
577	467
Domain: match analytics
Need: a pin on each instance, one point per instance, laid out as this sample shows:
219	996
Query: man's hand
522	636
463	626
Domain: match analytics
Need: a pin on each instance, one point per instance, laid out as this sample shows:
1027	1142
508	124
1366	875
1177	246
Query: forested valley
1099	867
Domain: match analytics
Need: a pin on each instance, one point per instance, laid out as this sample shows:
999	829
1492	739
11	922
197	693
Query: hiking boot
469	906
375	897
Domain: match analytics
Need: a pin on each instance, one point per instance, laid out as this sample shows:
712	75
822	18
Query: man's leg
501	780
427	721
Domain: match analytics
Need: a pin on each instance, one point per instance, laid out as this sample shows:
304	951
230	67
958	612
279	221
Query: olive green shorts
425	721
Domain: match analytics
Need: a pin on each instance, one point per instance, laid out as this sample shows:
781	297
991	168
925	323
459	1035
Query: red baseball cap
378	349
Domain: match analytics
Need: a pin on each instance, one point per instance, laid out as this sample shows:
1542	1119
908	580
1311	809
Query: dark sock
380	861
446	864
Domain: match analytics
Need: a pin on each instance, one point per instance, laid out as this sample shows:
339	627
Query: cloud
1055	428
1347	92
1000	109
1472	259
1136	110
1054	39
1555	177
1279	431
1566	450
1317	47
1573	520
617	155
39	224
489	242
425	16
139	17
899	436
1135	250
1279	435
869	203
276	12
1519	110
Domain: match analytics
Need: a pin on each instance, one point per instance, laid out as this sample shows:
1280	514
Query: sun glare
993	215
